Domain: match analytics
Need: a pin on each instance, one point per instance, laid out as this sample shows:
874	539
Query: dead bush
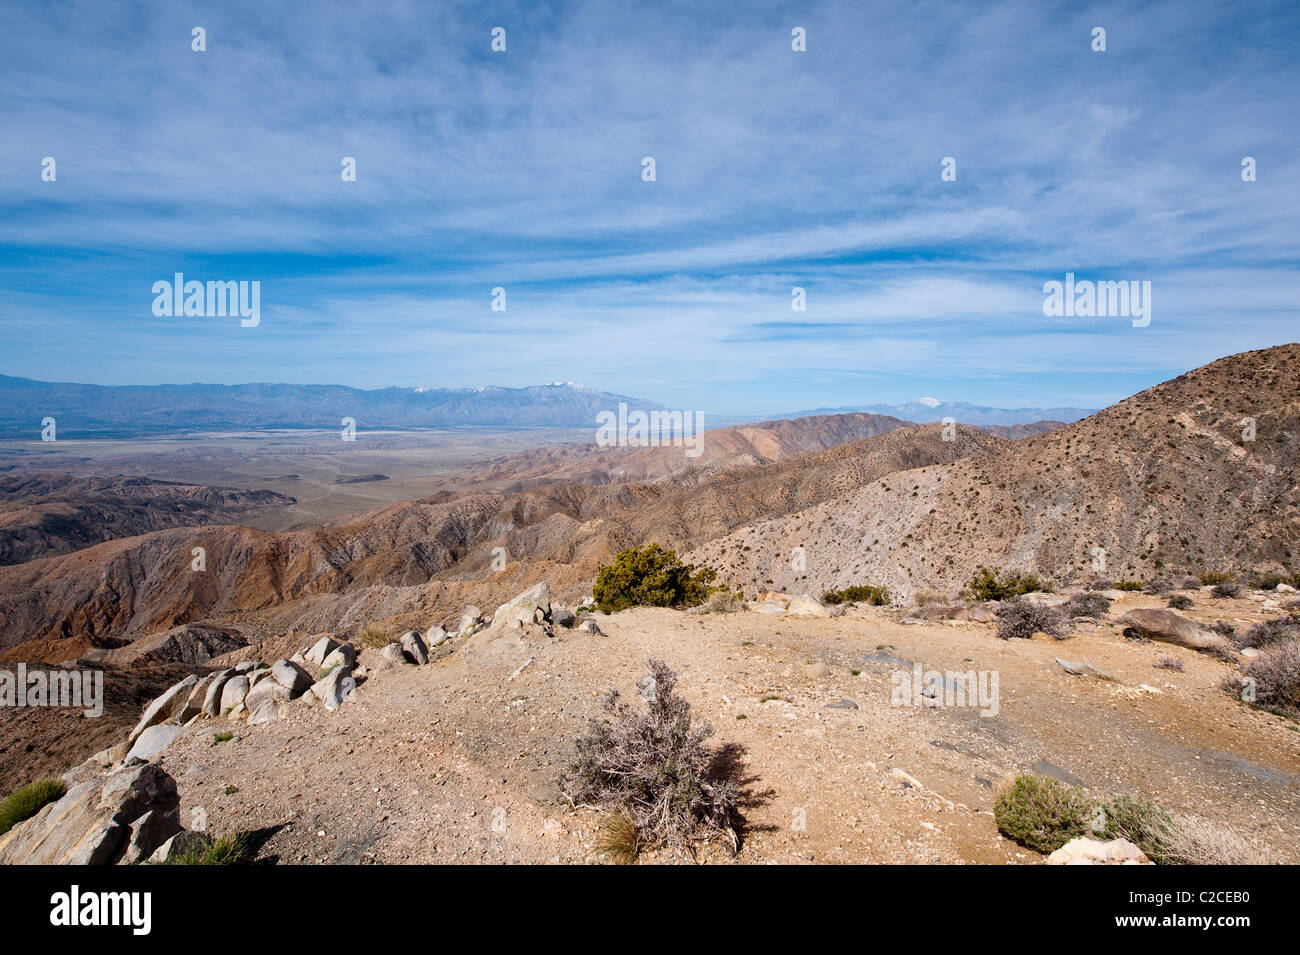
656	767
1020	619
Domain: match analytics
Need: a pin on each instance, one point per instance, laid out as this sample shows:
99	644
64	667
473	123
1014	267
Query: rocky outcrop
120	818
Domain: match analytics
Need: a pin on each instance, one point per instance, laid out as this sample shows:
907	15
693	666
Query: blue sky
522	170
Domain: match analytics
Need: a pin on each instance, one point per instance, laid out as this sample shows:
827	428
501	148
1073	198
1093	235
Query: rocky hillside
43	514
426	556
1163	482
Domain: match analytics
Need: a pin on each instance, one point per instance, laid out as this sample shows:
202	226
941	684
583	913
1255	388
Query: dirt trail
457	761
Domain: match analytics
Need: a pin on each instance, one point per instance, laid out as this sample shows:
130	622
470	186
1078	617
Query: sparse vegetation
223	737
1044	814
1226	590
1180	602
656	766
374	638
1268	632
26	801
1133	586
1041	813
1020	619
1168	663
991	583
224	850
1271	680
1087	605
650	576
1210	577
862	593
617	841
1142	823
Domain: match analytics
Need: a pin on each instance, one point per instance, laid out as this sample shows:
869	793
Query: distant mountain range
90	411
127	410
929	410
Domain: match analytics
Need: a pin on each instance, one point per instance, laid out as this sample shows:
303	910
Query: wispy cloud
775	169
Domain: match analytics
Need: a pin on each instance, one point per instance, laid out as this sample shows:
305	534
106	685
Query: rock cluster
803	605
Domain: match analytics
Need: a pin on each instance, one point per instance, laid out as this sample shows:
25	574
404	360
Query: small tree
651	577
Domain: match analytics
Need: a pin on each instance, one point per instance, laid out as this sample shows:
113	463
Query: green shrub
990	583
1209	577
651	577
1041	813
1267	581
1142	823
26	801
225	850
862	593
1129	585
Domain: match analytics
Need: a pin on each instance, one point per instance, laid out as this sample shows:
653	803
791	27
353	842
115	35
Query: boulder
320	650
469	619
393	653
335	688
267	702
154	740
525	608
212	699
1085	851
435	636
769	607
805	605
246	666
1168	626
185	842
164	707
92	824
589	626
981	613
149	832
234	692
193	705
344	655
291	676
563	616
413	646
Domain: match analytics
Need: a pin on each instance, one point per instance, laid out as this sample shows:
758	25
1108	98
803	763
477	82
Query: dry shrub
617	841
655	766
1269	632
720	601
929	598
1020	619
1180	602
1168	663
1191	840
1087	605
1276	679
372	638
